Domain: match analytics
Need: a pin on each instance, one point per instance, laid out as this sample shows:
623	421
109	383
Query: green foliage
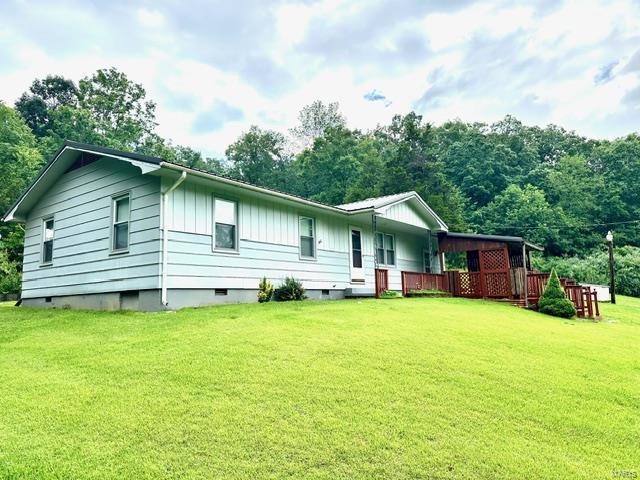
259	157
553	300
389	294
265	290
290	289
342	165
118	108
44	97
10	278
594	268
517	205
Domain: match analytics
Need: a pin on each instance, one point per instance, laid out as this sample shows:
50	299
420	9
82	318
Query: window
121	216
48	232
226	231
307	238
426	260
385	249
356	248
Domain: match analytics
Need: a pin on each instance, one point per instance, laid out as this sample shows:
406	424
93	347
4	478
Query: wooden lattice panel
470	284
493	260
497	284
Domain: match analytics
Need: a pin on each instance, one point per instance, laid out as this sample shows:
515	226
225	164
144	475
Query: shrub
265	290
553	301
386	294
594	268
291	289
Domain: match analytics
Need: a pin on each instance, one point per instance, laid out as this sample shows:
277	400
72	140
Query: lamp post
612	273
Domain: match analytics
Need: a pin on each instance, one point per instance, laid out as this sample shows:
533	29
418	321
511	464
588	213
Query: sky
215	68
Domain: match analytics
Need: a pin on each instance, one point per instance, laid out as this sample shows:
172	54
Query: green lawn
408	388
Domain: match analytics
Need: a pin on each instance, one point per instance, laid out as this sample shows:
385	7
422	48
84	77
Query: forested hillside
550	185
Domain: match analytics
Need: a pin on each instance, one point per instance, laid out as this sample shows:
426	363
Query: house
111	229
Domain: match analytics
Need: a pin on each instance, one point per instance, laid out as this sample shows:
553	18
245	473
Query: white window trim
112	237
315	236
236	242
43	233
384	247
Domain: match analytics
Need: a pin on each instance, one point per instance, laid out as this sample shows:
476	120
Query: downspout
165	235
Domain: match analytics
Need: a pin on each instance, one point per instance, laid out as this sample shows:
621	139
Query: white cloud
476	62
150	18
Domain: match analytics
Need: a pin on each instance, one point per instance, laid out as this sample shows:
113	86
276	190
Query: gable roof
386	201
50	172
376	202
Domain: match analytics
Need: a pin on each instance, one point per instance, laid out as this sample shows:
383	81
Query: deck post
526	280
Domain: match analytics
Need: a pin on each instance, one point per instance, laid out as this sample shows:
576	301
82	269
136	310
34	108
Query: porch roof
460	242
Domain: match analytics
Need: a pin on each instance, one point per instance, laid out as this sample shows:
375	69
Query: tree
118	108
19	162
19	157
411	163
258	157
314	120
44	96
342	165
523	212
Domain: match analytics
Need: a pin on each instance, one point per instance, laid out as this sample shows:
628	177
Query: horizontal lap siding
81	205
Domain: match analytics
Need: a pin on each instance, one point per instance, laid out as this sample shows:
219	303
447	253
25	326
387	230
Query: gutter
248	186
165	235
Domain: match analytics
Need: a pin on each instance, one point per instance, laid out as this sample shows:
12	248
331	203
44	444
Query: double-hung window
225	214
385	249
307	228
48	232
120	223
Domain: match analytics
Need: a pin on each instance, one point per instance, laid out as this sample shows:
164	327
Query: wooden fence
423	281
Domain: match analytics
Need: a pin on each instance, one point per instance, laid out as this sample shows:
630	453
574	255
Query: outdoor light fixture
612	273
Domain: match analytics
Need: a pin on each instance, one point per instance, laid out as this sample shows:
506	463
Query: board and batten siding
80	203
269	244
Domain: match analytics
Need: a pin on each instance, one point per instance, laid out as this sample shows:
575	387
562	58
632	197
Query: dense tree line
552	186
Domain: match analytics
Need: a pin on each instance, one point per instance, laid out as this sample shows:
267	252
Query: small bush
265	290
387	294
291	289
553	301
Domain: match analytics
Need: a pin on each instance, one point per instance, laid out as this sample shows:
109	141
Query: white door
356	243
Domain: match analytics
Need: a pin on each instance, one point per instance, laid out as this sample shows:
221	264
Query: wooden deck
472	285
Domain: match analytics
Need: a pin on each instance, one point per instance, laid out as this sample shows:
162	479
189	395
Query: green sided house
110	229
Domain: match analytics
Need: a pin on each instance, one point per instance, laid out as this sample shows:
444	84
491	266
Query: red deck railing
382	281
423	281
468	284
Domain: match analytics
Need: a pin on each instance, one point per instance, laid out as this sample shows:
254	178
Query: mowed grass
408	388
